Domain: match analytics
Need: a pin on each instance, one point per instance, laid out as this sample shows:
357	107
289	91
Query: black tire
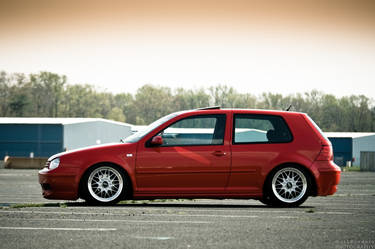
288	186
104	184
266	200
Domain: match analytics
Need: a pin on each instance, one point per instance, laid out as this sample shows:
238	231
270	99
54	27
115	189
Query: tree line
47	94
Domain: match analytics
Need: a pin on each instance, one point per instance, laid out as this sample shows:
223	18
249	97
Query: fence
367	161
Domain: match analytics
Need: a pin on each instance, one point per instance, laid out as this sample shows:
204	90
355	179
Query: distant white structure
92	131
359	141
245	135
43	137
136	128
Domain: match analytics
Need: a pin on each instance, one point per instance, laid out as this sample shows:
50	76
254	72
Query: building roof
349	134
62	121
136	128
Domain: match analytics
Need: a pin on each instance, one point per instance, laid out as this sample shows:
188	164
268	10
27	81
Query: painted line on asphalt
126	221
235	216
12	174
139	215
152	238
59	228
170	214
66	213
204	215
248	210
239	216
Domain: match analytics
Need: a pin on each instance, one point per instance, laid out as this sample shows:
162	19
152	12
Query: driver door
193	158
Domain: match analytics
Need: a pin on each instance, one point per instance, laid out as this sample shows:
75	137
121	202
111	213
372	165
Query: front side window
196	130
260	129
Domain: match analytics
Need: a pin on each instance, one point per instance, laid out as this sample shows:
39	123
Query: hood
88	148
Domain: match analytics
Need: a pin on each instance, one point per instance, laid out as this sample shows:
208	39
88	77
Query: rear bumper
327	177
58	184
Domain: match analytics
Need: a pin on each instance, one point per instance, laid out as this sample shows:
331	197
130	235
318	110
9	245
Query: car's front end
59	182
60	179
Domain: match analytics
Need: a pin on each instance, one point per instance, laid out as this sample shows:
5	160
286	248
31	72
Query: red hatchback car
277	157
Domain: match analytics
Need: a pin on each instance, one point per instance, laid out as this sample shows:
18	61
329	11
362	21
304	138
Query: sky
254	46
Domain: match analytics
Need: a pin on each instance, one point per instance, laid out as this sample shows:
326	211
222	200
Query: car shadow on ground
201	205
168	205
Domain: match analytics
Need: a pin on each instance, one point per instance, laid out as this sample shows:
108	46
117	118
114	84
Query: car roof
217	110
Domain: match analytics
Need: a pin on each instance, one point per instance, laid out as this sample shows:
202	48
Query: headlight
54	163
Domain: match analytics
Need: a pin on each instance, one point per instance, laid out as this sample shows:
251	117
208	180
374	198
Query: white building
43	137
359	141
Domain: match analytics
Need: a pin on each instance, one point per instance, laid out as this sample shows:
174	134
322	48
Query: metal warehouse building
43	137
348	145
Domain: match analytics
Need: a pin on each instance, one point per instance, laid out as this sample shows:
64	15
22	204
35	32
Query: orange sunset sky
254	46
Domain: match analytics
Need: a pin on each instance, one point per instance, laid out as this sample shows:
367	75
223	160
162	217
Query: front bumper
59	184
328	177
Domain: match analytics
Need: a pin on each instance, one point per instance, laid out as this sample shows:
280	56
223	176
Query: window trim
259	116
215	115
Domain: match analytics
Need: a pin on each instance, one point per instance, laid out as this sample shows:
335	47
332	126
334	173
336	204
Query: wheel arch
105	163
313	190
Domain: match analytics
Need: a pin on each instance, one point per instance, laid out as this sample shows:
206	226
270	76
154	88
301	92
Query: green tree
47	93
190	99
152	103
4	94
116	114
125	102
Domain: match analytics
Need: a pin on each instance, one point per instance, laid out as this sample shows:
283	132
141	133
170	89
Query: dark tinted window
196	130
260	129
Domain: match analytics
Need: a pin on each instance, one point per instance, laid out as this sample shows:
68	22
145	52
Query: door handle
219	153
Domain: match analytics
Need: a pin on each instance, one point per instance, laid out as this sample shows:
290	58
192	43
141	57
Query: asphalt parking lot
345	220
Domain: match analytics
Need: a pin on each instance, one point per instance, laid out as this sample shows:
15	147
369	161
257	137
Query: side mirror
157	141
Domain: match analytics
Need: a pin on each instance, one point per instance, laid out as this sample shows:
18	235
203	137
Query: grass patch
31	205
133	202
351	169
27	205
141	201
63	205
152	201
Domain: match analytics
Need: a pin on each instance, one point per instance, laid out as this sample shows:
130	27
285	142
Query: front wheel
104	185
288	187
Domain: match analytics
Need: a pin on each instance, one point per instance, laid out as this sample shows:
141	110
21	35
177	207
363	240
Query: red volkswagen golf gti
280	158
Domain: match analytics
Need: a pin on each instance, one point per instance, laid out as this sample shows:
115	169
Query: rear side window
249	128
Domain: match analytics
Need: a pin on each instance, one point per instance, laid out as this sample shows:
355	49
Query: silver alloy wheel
289	185
105	184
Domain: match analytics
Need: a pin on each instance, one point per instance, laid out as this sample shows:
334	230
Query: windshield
140	134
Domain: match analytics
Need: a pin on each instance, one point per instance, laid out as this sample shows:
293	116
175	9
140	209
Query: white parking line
18	175
338	213
54	212
249	210
204	215
117	214
59	228
125	221
153	238
182	215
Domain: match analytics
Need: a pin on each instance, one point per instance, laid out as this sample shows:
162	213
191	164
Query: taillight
325	153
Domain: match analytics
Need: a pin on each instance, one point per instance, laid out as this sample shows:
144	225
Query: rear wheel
104	184
288	186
